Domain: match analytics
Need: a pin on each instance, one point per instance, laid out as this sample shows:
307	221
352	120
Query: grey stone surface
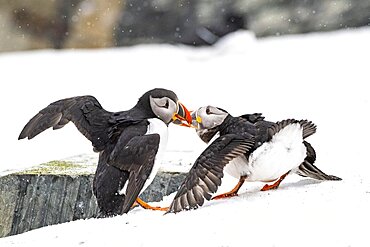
33	200
8	196
163	184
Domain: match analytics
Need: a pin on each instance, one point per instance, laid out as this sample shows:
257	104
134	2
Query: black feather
205	176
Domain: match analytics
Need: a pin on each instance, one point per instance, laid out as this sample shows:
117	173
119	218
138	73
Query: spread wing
84	111
206	174
136	156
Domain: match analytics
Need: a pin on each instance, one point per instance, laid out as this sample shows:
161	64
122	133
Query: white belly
284	152
157	126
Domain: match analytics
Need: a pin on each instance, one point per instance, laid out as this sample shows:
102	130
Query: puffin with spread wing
129	143
249	149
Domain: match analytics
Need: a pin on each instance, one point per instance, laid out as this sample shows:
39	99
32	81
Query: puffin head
165	105
207	120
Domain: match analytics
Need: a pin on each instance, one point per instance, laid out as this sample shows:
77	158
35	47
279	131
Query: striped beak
182	117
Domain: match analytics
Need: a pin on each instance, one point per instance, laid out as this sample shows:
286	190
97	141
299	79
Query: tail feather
309	170
309	128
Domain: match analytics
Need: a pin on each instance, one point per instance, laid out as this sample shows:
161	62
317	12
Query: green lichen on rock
58	167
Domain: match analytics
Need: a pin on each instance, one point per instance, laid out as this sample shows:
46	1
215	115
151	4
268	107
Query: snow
320	77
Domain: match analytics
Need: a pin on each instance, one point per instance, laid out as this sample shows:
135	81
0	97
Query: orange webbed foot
225	195
147	206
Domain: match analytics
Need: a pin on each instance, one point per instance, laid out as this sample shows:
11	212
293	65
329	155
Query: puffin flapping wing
205	176
84	111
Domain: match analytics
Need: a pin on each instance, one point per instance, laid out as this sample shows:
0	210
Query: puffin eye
161	102
208	111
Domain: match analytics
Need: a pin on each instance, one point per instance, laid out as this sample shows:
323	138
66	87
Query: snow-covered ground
322	77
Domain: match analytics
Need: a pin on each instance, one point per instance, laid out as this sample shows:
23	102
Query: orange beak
182	117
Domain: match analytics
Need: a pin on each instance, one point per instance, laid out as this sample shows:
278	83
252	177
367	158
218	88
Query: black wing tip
21	136
25	134
29	133
174	210
335	178
307	122
208	178
309	128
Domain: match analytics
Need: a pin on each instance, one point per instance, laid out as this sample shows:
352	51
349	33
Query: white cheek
173	108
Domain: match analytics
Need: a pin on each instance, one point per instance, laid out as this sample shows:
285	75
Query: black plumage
205	176
126	152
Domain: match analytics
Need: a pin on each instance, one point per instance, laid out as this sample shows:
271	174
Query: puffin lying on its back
129	142
248	148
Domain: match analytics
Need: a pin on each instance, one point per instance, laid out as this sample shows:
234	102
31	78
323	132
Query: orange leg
233	192
275	185
147	206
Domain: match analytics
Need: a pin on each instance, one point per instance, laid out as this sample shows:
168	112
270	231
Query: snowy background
321	77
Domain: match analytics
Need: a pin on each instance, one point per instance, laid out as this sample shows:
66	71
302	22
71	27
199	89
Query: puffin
248	148
130	143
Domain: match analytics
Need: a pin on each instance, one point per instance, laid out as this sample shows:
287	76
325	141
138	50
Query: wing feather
84	111
308	127
205	176
138	158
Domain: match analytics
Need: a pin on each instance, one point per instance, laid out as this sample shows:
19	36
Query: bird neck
142	108
223	128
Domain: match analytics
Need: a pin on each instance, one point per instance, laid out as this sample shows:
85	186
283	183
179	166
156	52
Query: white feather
284	152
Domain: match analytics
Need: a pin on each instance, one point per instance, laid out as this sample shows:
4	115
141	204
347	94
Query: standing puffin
249	149
129	143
